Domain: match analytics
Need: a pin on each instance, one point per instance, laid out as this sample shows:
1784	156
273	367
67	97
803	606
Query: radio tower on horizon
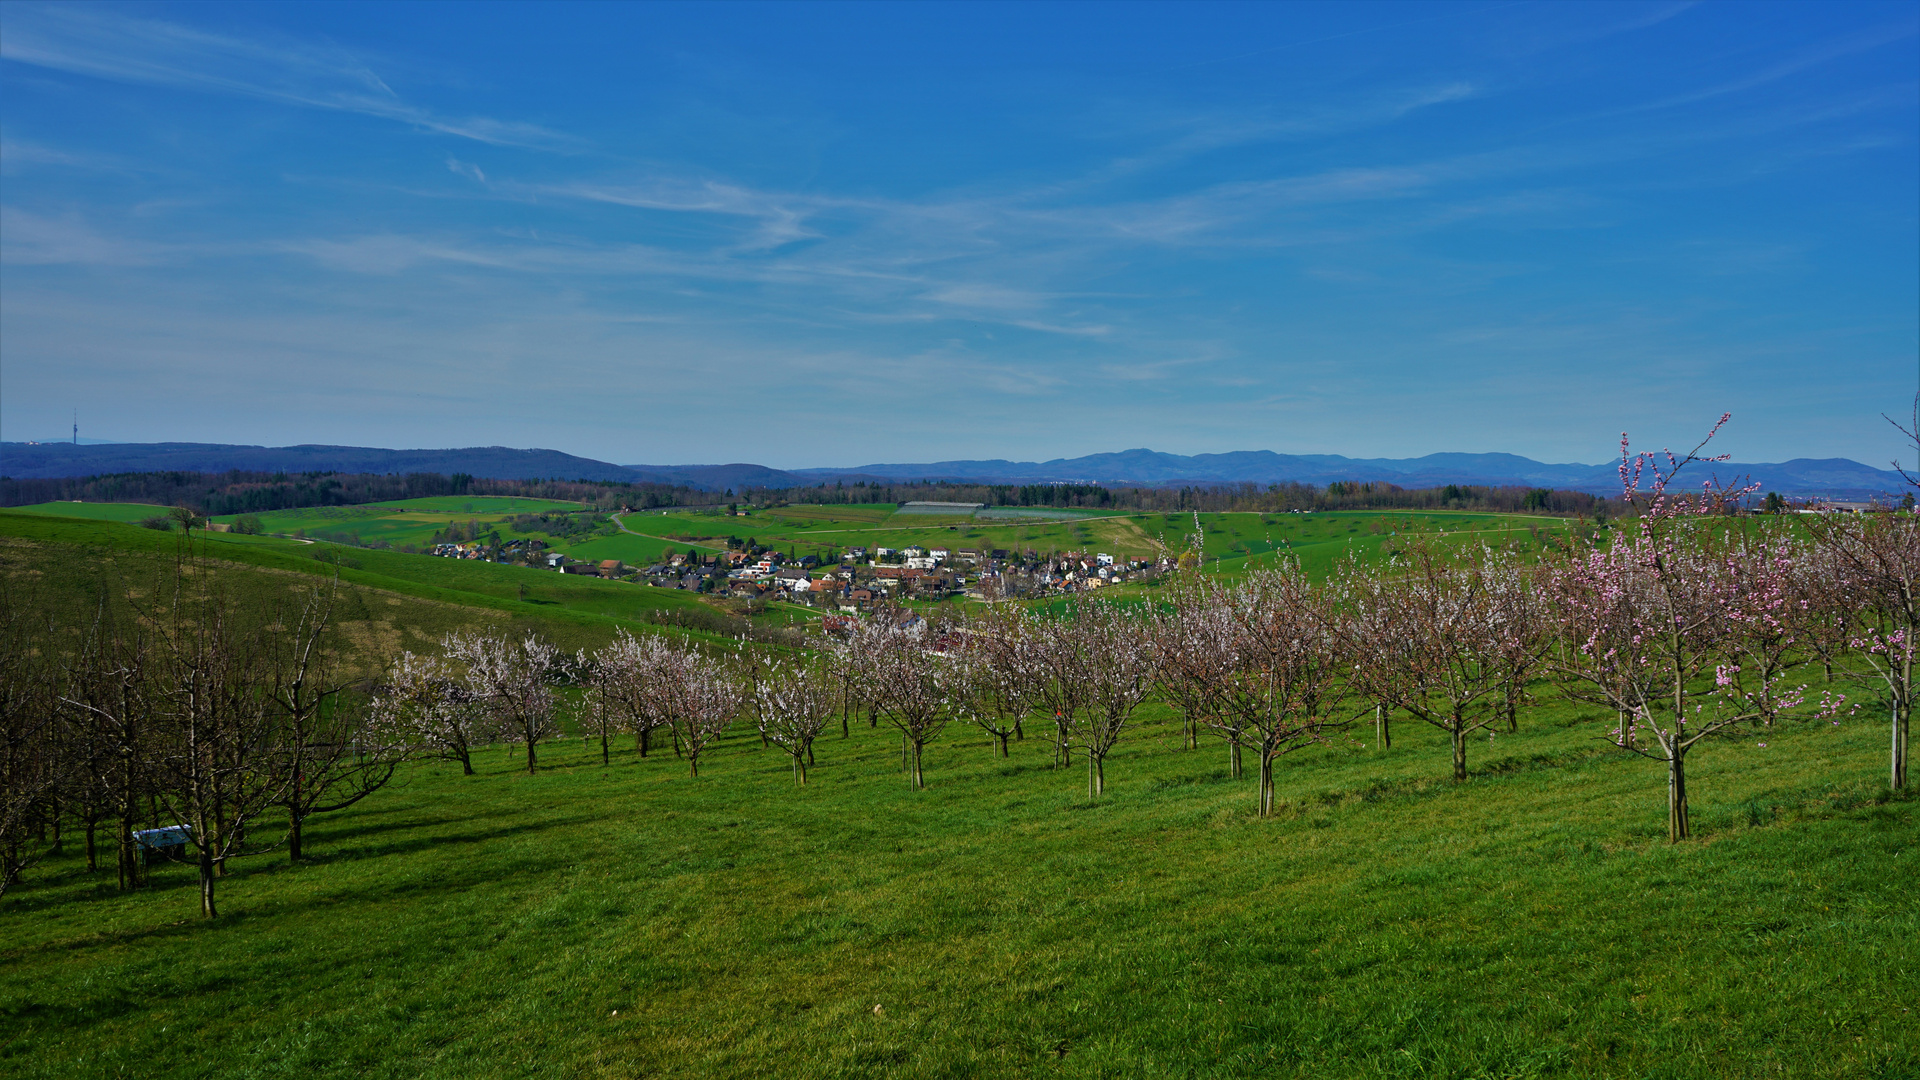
76	427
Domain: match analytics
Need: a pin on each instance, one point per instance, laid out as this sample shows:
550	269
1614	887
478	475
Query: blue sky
833	235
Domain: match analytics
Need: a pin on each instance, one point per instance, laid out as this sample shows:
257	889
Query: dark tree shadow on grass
50	895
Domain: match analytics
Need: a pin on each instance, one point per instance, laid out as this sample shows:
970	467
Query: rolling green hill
69	559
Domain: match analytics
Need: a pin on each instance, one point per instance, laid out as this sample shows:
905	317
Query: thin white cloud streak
16	155
147	51
30	239
1824	53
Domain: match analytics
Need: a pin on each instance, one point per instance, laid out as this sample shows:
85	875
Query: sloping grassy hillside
68	560
626	921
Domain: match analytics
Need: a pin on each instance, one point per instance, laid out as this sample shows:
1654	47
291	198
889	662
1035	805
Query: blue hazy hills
1141	467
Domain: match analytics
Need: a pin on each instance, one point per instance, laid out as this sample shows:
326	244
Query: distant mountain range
1838	477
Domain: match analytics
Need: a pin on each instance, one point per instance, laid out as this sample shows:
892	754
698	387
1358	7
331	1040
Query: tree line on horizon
241	492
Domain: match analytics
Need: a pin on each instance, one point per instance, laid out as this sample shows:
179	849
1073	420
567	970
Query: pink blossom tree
1439	635
1270	662
1771	611
1869	569
994	694
1649	620
699	696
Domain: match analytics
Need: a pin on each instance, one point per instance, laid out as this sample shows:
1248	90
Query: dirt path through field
668	539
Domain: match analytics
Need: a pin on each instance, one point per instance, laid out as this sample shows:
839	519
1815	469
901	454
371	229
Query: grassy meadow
617	921
626	920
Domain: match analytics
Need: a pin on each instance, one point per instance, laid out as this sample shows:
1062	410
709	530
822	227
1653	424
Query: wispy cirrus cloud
1819	54
17	154
780	219
105	45
30	239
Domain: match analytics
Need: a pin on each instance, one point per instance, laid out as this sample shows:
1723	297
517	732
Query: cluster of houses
858	580
519	550
862	578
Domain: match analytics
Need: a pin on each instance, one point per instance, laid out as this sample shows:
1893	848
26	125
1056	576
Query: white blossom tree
793	702
511	678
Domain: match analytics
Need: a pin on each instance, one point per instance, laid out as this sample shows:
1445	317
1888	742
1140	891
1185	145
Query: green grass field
482	505
127	512
623	921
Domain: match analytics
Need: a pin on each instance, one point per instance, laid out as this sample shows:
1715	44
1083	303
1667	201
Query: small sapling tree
218	764
336	755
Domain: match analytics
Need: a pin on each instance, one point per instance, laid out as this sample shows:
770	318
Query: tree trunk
293	820
1233	758
1897	774
1002	736
604	759
1459	733
466	763
919	779
1266	786
530	761
128	857
646	738
92	864
1676	794
206	884
800	770
693	765
1383	732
